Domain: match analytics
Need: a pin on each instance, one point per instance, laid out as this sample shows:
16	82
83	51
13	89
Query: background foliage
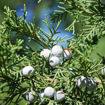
85	19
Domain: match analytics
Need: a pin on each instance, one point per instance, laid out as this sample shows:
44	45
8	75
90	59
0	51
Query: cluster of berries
82	83
103	71
86	83
56	54
54	59
89	83
49	92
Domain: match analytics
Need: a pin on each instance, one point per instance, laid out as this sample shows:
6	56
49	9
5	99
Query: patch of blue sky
45	11
62	33
30	14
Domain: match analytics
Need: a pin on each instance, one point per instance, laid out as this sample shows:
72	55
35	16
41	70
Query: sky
45	11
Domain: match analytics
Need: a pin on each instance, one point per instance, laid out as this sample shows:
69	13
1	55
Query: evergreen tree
54	75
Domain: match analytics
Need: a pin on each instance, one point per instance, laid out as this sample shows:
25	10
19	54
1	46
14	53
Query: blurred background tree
38	11
46	7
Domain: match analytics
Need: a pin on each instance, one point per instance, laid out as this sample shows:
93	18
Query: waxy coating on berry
30	96
67	53
103	71
27	70
59	96
54	61
49	92
45	53
57	50
91	84
82	82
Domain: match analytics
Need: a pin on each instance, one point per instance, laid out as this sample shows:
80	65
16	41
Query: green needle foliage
88	27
